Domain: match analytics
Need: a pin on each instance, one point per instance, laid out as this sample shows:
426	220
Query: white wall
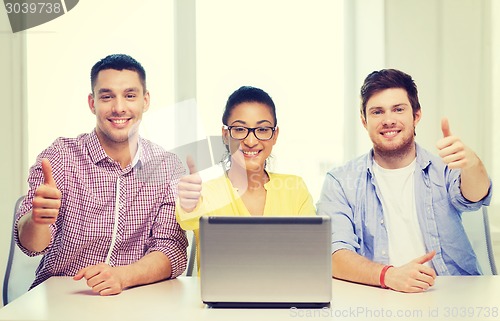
447	47
294	51
493	120
61	53
451	48
45	80
449	59
13	147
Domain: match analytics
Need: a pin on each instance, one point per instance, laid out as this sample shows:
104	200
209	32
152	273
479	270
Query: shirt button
382	221
383	252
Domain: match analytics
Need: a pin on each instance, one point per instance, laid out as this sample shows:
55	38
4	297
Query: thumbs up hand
190	187
445	127
453	151
47	200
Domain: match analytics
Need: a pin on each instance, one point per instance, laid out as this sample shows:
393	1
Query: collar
138	155
423	160
97	153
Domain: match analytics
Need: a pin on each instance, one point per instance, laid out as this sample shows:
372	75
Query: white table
452	298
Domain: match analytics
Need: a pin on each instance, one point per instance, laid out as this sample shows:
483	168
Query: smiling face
390	123
250	153
118	102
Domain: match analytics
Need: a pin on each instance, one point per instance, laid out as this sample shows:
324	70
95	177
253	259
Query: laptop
265	262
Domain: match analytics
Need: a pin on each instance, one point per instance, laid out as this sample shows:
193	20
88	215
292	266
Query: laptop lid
265	261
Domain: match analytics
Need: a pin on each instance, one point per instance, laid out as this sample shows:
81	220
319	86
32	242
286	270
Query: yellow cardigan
287	195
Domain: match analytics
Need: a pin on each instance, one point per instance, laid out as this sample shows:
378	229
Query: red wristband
382	276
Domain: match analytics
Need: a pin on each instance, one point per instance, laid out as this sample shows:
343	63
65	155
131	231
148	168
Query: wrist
382	276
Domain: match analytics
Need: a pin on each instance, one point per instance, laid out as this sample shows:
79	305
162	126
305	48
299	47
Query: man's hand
474	180
413	276
189	187
453	151
47	200
102	278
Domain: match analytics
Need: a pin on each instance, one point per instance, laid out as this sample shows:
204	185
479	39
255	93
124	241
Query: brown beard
398	153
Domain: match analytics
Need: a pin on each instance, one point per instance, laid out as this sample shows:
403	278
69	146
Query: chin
395	148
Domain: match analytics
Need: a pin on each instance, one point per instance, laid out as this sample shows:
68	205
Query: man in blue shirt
396	211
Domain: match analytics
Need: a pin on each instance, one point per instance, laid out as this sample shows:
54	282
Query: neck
246	179
122	152
394	159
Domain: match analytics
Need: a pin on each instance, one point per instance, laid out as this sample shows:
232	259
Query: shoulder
279	176
64	148
61	154
424	154
69	143
354	168
216	182
427	159
154	151
152	148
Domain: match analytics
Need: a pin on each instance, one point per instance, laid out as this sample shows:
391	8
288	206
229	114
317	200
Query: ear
276	133
363	120
147	100
91	102
417	117
225	136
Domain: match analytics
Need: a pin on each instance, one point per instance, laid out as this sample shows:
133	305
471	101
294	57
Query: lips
119	122
250	153
390	133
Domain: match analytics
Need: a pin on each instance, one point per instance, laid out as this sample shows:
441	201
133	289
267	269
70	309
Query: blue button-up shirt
351	197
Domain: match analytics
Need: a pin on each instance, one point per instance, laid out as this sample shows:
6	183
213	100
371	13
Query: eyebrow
108	90
380	107
104	90
260	122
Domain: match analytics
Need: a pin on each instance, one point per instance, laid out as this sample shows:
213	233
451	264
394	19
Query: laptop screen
260	261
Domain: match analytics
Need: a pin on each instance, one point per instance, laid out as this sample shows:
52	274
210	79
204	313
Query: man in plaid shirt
102	206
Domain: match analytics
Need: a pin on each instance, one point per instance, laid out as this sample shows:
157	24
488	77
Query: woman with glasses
249	133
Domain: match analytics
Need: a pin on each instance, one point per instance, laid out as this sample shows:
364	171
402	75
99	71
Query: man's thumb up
48	179
445	127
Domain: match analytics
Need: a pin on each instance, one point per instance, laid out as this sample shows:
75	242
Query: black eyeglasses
240	132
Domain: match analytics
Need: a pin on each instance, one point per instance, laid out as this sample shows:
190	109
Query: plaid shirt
108	214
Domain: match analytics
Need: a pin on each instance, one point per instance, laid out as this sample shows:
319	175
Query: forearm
153	267
348	265
474	182
34	237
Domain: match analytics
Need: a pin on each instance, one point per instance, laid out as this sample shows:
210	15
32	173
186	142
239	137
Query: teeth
390	133
250	153
119	121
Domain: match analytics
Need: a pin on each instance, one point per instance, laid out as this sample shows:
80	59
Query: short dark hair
117	62
247	94
386	79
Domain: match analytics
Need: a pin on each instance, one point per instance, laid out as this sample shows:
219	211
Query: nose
119	106
251	140
389	119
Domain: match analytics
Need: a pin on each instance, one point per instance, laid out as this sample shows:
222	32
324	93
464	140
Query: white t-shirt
397	189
